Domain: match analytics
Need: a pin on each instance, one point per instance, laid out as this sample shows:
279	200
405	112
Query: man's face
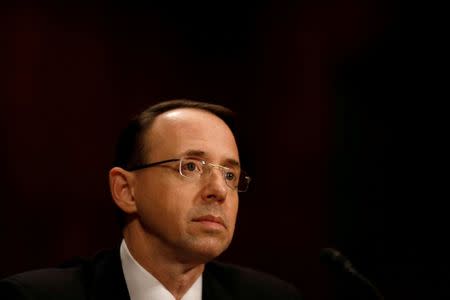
188	219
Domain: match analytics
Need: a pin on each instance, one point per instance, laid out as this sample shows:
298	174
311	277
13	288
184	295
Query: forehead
180	130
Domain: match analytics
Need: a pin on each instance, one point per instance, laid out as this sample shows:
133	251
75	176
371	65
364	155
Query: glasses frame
243	174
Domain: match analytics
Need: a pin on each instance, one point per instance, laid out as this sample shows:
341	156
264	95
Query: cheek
232	211
164	204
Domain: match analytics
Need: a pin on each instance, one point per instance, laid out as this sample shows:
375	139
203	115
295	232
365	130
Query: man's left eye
230	176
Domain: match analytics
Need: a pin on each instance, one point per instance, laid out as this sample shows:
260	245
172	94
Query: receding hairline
168	114
146	143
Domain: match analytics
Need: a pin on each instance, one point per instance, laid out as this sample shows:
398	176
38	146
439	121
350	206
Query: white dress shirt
144	286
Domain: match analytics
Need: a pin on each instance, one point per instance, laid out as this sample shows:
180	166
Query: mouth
210	220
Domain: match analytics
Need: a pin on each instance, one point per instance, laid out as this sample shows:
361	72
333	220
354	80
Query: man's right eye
191	167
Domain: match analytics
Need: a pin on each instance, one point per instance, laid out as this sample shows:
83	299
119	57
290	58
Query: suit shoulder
51	283
76	279
251	283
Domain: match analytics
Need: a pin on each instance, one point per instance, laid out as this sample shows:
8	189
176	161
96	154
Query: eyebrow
200	153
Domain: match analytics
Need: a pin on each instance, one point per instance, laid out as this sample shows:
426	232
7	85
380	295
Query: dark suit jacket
102	278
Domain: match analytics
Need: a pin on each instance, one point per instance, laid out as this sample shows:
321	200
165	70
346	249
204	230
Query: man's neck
177	277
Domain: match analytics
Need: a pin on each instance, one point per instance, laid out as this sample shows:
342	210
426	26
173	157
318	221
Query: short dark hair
131	147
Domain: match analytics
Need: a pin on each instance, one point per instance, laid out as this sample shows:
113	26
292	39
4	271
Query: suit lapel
213	289
107	281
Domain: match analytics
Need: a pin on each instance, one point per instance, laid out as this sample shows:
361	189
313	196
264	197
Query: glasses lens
244	182
190	167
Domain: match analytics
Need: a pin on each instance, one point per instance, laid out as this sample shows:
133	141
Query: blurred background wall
338	116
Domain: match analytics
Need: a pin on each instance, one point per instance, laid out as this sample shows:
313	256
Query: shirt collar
144	286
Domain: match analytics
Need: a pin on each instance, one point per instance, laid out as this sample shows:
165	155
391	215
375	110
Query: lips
210	219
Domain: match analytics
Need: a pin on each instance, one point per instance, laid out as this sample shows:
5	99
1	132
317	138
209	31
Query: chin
205	251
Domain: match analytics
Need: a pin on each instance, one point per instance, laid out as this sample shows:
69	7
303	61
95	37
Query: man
176	180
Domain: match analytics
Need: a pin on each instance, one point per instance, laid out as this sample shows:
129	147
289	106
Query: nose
215	188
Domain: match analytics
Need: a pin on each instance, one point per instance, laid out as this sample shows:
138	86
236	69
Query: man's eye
191	166
230	176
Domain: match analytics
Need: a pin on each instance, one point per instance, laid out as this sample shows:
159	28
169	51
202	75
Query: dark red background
335	100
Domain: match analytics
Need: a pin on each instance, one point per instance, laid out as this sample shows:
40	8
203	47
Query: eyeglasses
192	167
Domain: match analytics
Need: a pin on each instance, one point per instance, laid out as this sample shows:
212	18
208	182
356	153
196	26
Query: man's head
186	208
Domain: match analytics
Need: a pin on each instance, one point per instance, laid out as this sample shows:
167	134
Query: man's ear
121	186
